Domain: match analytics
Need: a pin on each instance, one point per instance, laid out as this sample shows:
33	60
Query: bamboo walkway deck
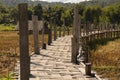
54	63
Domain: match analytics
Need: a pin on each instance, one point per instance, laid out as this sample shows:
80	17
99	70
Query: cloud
74	1
64	1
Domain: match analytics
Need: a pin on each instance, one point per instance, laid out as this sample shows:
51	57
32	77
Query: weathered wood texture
75	39
55	31
43	31
24	49
35	34
50	33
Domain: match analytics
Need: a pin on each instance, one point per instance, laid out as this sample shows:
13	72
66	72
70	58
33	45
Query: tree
112	13
92	14
38	11
14	15
30	13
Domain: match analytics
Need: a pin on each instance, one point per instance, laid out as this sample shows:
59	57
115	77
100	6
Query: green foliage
99	42
112	13
30	13
7	27
101	3
67	17
92	14
9	77
13	15
60	14
38	11
58	10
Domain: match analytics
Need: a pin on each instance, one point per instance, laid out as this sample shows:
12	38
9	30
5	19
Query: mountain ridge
101	3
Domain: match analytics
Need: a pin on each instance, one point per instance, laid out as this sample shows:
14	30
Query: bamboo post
105	31
24	49
90	32
87	32
35	34
87	55
43	30
75	40
63	31
55	31
59	31
94	36
50	33
88	68
68	31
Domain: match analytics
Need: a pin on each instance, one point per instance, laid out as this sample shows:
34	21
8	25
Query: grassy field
7	27
105	56
9	43
105	59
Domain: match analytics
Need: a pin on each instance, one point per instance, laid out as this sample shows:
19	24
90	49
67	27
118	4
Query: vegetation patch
7	27
9	44
105	58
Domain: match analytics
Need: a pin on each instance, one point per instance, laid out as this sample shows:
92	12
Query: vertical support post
74	50
55	31
68	31
88	68
75	40
80	30
108	30
98	35
35	34
105	31
43	33
92	32
87	55
50	33
49	36
24	48
117	31
87	32
64	28
59	31
63	31
43	30
94	36
113	30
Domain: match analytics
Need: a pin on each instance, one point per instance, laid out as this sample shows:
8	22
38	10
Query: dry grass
106	60
9	43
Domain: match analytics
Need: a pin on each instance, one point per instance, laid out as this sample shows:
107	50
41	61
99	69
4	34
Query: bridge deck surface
54	63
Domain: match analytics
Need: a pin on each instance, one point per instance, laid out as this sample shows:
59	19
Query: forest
92	11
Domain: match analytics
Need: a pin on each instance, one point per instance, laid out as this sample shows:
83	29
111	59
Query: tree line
63	15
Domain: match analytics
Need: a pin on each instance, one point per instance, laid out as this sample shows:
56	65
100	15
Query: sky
64	1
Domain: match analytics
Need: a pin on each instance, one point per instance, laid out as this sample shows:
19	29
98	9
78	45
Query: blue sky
65	1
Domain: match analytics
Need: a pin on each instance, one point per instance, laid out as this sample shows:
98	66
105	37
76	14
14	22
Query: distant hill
101	3
16	2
